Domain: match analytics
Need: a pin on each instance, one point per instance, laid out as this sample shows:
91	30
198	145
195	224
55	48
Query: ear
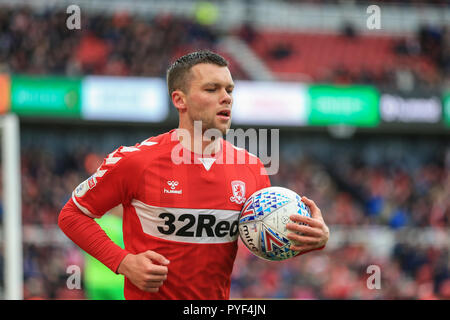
179	100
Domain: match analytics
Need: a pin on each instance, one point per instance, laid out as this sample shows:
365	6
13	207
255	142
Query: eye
210	89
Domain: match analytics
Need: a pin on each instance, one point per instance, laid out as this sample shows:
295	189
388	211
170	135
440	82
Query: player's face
209	97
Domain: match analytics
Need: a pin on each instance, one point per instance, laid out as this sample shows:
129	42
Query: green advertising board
446	107
46	96
347	105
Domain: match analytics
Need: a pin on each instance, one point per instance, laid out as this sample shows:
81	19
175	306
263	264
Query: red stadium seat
316	54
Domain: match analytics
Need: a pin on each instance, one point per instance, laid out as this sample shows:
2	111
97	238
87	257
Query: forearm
89	236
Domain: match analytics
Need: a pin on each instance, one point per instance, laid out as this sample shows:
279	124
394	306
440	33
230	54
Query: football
263	219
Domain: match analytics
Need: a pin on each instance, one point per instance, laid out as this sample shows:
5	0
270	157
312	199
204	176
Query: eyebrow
218	84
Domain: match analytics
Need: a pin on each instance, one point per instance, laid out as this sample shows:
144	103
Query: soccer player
181	194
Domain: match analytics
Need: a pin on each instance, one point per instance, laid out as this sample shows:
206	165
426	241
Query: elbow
67	214
62	215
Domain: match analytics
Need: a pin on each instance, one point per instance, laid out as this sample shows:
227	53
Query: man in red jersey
179	217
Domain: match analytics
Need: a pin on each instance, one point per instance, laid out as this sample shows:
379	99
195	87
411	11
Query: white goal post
12	212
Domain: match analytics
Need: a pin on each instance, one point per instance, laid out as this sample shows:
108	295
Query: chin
223	128
214	127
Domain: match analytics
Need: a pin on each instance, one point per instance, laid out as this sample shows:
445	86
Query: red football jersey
180	205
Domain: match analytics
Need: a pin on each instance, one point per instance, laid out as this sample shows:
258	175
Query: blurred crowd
356	193
350	188
120	44
345	273
350	191
396	2
394	188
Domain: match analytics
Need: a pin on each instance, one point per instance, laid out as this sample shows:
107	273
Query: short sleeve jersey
179	204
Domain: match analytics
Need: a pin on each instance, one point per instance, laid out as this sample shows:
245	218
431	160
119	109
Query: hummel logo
173	185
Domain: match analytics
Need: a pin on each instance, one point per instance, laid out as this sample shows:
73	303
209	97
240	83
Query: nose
226	97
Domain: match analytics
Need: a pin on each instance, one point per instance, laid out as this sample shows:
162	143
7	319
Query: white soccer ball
263	219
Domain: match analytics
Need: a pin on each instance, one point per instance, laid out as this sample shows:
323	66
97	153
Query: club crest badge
238	188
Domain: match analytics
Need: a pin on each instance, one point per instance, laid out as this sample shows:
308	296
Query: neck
196	142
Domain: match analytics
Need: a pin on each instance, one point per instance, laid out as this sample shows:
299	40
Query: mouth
224	114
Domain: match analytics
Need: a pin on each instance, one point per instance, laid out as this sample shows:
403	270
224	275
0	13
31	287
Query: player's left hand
311	237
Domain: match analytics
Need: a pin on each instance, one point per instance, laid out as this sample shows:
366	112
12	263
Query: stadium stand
121	44
117	45
395	183
394	191
342	58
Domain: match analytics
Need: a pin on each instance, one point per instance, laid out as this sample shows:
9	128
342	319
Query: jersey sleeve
115	182
90	237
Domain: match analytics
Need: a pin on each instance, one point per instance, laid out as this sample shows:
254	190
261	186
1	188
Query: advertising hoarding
343	105
410	109
46	96
124	99
5	93
269	103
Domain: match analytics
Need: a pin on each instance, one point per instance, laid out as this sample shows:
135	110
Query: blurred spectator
359	186
121	45
36	43
280	51
248	33
355	189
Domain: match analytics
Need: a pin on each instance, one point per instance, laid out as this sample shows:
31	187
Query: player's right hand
146	270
